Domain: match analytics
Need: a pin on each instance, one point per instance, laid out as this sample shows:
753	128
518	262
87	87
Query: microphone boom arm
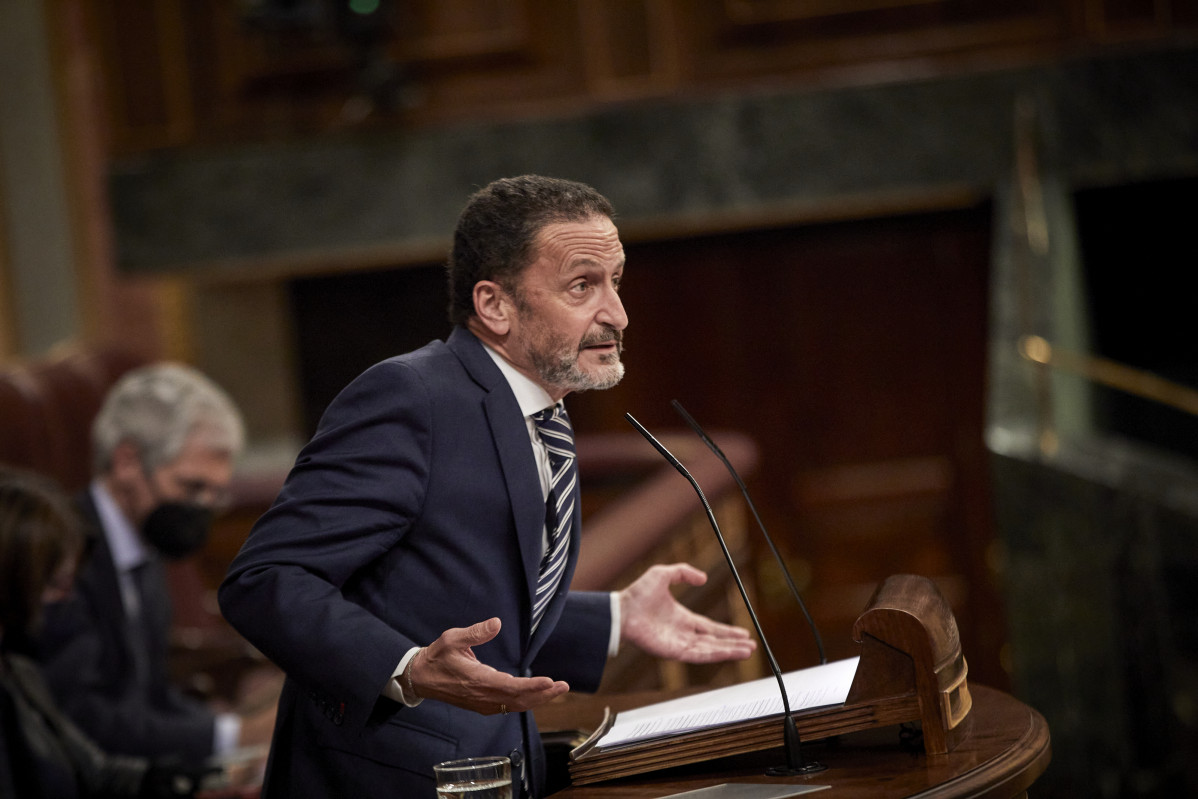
794	758
719	453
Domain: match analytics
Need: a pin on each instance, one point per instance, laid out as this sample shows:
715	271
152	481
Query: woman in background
42	754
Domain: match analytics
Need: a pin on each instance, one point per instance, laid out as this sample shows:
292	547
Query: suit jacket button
517	758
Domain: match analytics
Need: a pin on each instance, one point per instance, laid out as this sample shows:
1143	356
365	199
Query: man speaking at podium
412	576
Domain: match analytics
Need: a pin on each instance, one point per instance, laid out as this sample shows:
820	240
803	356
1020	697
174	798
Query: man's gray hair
156	408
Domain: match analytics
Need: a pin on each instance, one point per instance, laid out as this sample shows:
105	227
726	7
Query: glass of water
474	778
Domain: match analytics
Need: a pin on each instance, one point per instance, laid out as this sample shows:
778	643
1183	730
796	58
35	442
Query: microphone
819	642
795	764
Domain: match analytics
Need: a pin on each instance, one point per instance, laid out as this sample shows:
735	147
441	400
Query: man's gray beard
564	373
562	370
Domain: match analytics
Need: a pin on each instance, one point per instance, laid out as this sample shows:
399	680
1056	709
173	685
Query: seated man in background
164	445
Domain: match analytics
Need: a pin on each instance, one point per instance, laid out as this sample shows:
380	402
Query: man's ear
493	307
126	460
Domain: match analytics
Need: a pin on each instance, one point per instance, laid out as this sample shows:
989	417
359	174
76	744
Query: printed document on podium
819	686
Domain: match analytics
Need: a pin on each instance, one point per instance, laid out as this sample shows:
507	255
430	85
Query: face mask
177	529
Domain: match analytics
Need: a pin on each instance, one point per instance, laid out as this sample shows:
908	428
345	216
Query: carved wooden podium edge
911	669
910	646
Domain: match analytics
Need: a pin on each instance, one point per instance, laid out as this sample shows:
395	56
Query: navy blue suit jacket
416	507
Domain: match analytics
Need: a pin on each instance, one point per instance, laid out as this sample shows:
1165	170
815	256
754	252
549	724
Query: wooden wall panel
200	71
753	12
854	355
630	46
744	39
463	30
183	72
146	76
529	54
1117	20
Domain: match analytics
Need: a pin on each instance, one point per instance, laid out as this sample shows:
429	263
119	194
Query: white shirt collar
128	550
531	397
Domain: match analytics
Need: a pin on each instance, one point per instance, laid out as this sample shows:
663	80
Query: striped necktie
553	425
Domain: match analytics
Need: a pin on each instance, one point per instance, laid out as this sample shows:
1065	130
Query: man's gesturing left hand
447	670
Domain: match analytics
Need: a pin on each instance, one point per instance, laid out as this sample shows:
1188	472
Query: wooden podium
911	669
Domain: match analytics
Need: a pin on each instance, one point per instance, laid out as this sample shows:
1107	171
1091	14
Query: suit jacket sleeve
352	496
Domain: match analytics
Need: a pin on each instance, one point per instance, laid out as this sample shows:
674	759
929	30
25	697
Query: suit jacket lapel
104	586
510	434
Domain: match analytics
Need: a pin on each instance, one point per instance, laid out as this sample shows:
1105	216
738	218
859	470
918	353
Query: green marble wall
739	157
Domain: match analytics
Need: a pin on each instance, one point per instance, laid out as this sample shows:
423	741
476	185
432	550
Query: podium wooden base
1009	748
